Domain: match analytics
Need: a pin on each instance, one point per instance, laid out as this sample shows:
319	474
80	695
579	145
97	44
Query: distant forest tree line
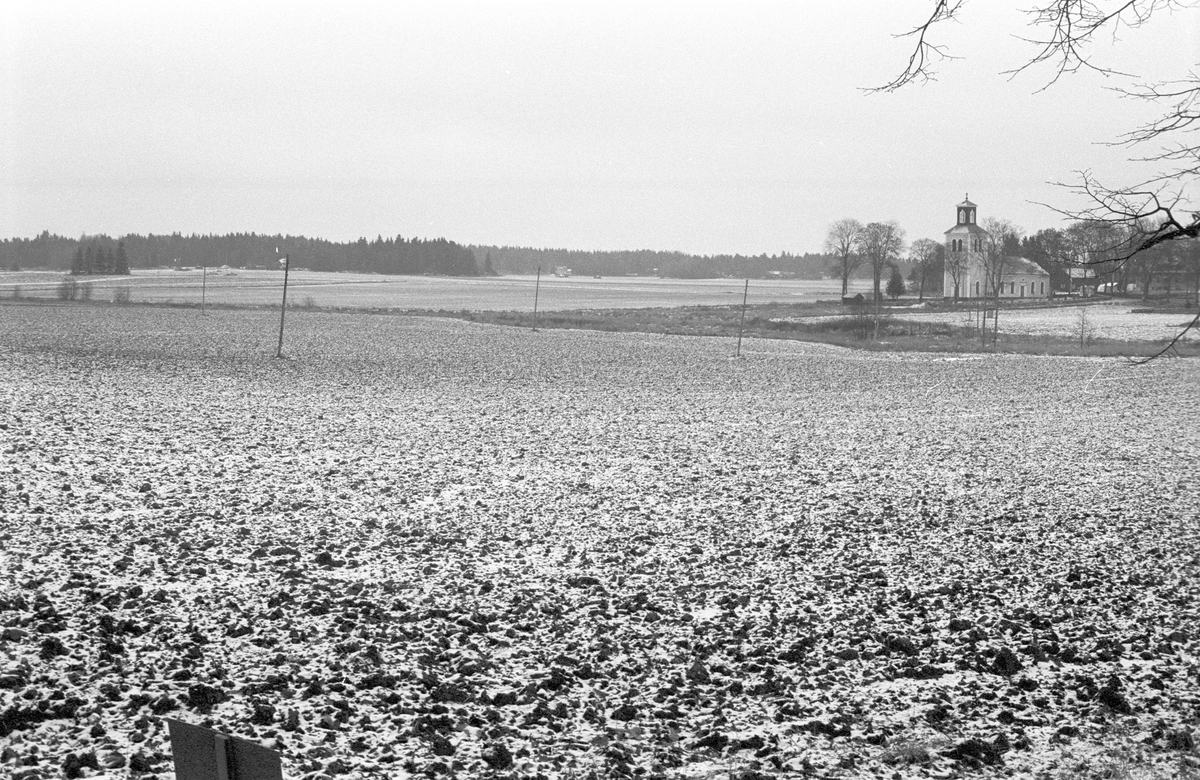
647	262
386	256
1169	268
101	254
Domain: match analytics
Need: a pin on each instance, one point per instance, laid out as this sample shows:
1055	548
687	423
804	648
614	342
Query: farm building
966	244
1082	281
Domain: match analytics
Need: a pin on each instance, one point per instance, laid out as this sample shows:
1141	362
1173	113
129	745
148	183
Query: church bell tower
964	247
966	213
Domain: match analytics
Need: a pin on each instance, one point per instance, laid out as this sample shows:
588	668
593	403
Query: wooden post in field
203	286
536	286
283	309
742	321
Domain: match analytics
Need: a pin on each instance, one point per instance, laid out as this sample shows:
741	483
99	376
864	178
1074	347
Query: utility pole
742	322
536	286
283	309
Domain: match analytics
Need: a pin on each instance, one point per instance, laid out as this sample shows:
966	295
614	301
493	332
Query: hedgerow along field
427	547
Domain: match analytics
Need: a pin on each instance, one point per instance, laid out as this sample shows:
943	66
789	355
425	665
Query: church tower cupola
966	212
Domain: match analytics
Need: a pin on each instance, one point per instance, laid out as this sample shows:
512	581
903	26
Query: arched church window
962	216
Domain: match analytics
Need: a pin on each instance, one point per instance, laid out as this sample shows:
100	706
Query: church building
966	244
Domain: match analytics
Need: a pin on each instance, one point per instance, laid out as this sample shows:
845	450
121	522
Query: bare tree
1100	245
1000	237
1153	211
842	242
1146	267
880	243
956	265
926	256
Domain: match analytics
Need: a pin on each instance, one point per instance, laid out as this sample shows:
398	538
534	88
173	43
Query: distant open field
1101	319
232	286
423	547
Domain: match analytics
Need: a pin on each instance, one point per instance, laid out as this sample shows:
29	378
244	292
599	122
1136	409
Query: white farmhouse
965	244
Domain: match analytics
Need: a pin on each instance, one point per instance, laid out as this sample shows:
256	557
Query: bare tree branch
1073	25
924	52
1171	349
1181	118
1148	217
1184	94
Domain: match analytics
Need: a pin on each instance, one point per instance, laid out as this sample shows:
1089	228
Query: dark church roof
1021	265
967	228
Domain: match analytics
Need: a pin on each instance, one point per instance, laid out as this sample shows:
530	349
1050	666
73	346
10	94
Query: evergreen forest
647	262
105	255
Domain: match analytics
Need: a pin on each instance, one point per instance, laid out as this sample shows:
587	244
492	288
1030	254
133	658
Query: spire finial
967	196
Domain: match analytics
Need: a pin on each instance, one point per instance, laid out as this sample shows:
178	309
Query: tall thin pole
742	322
203	286
537	284
283	309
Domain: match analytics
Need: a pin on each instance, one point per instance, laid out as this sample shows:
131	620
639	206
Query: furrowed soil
427	547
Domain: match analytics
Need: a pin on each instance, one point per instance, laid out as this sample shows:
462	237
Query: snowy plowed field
230	287
430	547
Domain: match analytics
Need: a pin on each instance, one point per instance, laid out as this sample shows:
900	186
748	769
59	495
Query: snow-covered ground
1107	320
1115	320
423	548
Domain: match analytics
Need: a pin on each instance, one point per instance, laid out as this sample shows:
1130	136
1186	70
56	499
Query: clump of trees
100	260
1100	248
928	258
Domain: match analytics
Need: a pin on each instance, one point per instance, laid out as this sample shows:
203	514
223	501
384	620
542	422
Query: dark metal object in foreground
204	754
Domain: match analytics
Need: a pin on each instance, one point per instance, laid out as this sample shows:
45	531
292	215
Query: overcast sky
703	127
